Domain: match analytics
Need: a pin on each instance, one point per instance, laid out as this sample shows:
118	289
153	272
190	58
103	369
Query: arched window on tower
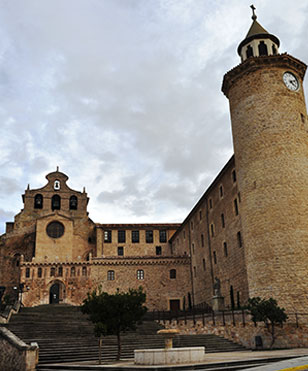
262	48
56	202
38	201
249	51
73	203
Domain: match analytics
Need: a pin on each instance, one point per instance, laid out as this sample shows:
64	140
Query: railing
207	315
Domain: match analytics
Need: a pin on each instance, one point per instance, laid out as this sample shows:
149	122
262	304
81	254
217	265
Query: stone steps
65	335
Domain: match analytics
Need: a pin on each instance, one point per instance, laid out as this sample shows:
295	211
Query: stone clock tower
270	136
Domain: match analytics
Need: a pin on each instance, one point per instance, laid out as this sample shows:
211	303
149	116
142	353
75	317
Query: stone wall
288	336
15	354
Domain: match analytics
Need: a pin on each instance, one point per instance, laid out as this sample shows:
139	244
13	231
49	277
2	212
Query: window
55	229
84	271
214	257
191	225
239	239
202	240
195	272
221	191
56	202
140	274
193	248
73	203
110	276
262	48
236	207
249	51
200	214
172	274
60	272
73	272
39	272
158	250
27	272
149	236
120	250
222	220
52	272
210	203
162	236
121	236
16	260
212	230
107	236
204	266
38	202
274	49
233	176
135	236
225	249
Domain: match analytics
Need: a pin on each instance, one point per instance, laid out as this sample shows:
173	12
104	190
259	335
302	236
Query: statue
217	287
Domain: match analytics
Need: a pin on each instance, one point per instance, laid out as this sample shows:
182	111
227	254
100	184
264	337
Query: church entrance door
54	294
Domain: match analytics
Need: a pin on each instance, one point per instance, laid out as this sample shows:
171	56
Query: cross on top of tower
254	17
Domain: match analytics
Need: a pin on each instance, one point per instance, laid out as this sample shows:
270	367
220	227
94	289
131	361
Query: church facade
249	230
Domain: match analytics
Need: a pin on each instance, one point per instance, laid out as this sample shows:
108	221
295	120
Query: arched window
110	275
73	203
52	271
39	272
140	274
84	271
27	272
60	272
56	202
38	201
262	48
172	273
249	51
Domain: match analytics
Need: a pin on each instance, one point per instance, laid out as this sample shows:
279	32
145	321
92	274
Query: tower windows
202	240
135	236
121	236
73	203
225	249
55	202
221	191
222	220
172	274
249	51
212	230
262	48
233	176
239	239
38	201
235	206
149	236
120	250
140	274
110	275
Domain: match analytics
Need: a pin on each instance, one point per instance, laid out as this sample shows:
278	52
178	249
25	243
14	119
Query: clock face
290	81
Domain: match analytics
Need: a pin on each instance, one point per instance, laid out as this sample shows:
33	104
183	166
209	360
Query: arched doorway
56	292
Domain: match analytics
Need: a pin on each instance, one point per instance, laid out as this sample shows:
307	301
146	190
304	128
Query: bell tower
270	138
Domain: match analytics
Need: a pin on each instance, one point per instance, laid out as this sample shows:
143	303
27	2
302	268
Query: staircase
65	335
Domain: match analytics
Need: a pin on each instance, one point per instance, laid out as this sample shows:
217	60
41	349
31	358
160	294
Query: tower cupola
258	42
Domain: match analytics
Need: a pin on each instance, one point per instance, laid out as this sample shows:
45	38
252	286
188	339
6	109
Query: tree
113	314
267	311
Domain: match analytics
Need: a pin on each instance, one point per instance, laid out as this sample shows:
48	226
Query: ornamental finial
254	17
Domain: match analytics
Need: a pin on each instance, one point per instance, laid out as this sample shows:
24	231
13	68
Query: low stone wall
288	336
15	354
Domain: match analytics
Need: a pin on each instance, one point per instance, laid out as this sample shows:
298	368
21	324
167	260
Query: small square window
110	275
120	250
158	250
149	236
221	191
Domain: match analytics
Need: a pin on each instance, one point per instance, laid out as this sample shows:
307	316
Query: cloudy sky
125	97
